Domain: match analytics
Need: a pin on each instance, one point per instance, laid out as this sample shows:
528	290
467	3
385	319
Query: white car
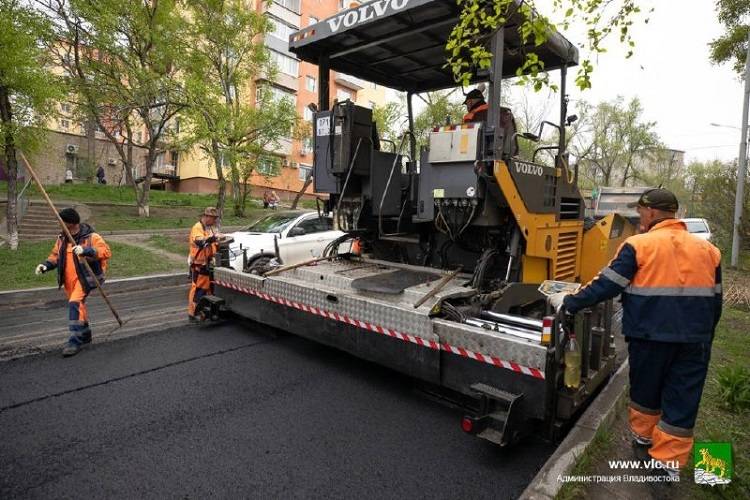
698	227
300	235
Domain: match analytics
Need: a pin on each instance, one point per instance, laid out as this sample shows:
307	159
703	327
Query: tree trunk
308	181
221	196
236	194
11	163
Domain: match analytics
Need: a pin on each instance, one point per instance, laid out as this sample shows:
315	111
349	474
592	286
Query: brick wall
51	160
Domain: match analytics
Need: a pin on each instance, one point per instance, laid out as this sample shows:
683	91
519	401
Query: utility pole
740	195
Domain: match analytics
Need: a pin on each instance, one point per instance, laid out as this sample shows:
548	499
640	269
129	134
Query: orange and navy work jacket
477	114
670	281
203	244
95	250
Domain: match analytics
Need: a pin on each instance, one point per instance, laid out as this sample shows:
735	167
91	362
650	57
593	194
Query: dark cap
474	94
70	216
658	198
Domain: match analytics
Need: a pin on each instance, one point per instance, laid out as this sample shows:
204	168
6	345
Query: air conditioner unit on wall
71	149
285	162
295	164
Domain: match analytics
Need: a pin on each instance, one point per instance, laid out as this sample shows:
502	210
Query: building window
307	145
281	30
65	107
277	94
286	64
343	95
310	83
343	4
312	20
266	167
64	124
373	85
308	114
304	171
292	5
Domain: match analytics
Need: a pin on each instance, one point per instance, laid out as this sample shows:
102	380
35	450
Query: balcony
284	13
349	81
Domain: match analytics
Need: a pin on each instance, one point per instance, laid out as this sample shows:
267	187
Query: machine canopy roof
401	44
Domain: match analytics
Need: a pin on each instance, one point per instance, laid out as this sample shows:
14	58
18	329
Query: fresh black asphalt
237	410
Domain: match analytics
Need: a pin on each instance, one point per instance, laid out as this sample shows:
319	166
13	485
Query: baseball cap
474	94
658	198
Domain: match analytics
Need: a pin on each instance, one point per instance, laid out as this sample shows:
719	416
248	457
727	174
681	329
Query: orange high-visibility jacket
203	244
670	282
477	114
96	251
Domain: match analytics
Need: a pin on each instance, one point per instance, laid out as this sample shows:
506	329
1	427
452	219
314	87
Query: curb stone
601	413
12	298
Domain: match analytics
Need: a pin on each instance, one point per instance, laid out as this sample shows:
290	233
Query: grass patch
127	261
716	422
174	244
597	451
118	218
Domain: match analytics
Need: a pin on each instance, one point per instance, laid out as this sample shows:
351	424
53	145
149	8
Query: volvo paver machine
458	241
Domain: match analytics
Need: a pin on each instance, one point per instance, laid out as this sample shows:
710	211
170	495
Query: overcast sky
670	72
679	88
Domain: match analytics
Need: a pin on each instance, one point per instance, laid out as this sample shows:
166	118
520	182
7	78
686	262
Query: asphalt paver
237	410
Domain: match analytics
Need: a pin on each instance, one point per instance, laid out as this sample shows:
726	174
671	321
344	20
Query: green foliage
390	120
31	89
612	143
174	244
233	127
468	45
711	187
731	47
123	59
127	261
734	387
443	107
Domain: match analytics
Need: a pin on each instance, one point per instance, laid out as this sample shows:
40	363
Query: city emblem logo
712	463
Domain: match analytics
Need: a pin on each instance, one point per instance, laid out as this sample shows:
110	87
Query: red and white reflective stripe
460	351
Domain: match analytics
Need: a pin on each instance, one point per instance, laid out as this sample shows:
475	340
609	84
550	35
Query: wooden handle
70	237
444	281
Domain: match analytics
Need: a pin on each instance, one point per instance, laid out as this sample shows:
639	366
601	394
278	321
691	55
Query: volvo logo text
529	169
365	13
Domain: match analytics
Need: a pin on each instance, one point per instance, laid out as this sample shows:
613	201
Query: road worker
203	246
73	276
670	281
476	107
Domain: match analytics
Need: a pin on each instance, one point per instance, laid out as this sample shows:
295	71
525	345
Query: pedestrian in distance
204	237
100	175
670	281
73	276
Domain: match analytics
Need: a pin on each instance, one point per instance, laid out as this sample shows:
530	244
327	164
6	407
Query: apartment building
297	81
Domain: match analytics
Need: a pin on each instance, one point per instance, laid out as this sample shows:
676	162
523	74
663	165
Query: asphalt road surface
237	411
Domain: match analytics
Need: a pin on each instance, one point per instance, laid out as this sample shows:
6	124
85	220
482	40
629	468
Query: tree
731	47
467	45
390	120
123	58
612	141
442	108
27	93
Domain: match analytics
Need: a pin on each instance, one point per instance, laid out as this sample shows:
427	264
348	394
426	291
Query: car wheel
259	265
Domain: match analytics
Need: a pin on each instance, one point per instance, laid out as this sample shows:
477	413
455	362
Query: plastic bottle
572	377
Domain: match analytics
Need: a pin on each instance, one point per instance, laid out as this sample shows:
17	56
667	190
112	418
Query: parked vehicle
699	227
299	235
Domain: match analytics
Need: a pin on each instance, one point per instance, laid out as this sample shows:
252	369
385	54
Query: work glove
40	269
78	250
556	300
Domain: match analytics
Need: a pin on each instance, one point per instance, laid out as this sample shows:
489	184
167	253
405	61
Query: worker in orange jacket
203	246
73	276
476	107
670	282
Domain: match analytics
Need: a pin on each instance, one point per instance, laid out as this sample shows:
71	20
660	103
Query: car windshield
274	223
696	226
